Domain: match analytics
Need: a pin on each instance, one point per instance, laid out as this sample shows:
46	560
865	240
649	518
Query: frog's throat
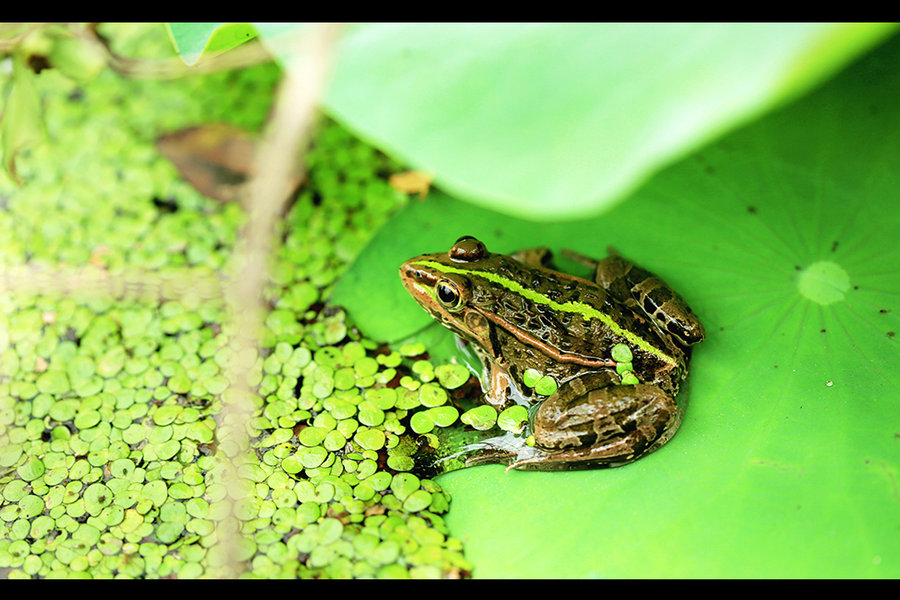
587	312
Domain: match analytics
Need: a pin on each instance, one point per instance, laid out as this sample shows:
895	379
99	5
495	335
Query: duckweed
110	453
622	353
513	419
545	386
482	417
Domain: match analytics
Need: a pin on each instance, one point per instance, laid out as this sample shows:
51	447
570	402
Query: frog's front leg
580	427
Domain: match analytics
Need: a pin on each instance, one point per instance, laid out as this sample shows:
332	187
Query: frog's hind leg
535	257
580	428
645	293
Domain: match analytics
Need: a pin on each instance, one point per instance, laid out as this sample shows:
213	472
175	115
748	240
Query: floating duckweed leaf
201	432
370	439
443	416
513	419
311	436
173	511
530	377
31	506
340	409
417	501
41	526
86	534
169	531
10	454
96	497
423	369
481	417
111	362
54	383
134	433
383	398
452	376
180	383
421	422
279	436
623	367
15	490
365	366
629	378
292	464
155	492
312	457
166	414
301	357
431	395
369	414
401	463
167	449
80	368
31	469
404	484
197	507
621	353
216	384
390	360
86	419
415	349
344	378
545	386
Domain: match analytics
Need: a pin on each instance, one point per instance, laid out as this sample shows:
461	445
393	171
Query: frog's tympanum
610	353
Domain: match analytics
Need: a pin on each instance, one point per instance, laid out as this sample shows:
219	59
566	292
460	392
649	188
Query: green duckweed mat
110	402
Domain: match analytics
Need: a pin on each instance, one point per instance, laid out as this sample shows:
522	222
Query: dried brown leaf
215	158
412	182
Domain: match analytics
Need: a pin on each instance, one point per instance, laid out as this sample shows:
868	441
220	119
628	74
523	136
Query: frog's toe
614	453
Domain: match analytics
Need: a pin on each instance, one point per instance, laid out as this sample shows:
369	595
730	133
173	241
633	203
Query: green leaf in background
783	236
491	109
548	121
191	40
21	125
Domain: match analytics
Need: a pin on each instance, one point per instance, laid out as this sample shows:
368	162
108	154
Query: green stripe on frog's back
587	312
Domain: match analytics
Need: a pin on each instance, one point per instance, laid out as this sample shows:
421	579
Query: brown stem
308	59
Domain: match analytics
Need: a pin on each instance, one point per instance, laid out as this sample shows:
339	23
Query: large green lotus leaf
785	238
193	39
490	109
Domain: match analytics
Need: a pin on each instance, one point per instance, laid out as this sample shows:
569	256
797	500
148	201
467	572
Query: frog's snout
415	274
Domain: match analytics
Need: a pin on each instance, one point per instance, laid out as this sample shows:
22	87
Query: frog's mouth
420	282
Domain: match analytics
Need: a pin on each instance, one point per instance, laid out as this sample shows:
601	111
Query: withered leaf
411	182
215	158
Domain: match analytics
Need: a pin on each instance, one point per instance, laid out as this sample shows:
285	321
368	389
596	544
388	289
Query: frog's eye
449	294
467	249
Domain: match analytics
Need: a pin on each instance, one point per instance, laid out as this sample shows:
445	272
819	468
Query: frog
613	348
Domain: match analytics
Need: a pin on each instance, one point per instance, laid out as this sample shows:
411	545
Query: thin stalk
277	163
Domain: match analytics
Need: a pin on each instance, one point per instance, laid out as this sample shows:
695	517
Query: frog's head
441	283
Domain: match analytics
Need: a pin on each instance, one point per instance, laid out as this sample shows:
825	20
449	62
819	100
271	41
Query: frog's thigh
535	257
638	288
612	424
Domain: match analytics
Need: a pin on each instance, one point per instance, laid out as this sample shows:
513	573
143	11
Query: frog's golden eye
448	294
467	249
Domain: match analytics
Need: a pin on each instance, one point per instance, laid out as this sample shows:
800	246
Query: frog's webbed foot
578	428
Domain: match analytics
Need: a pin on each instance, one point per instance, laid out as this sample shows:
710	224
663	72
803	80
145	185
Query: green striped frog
601	361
